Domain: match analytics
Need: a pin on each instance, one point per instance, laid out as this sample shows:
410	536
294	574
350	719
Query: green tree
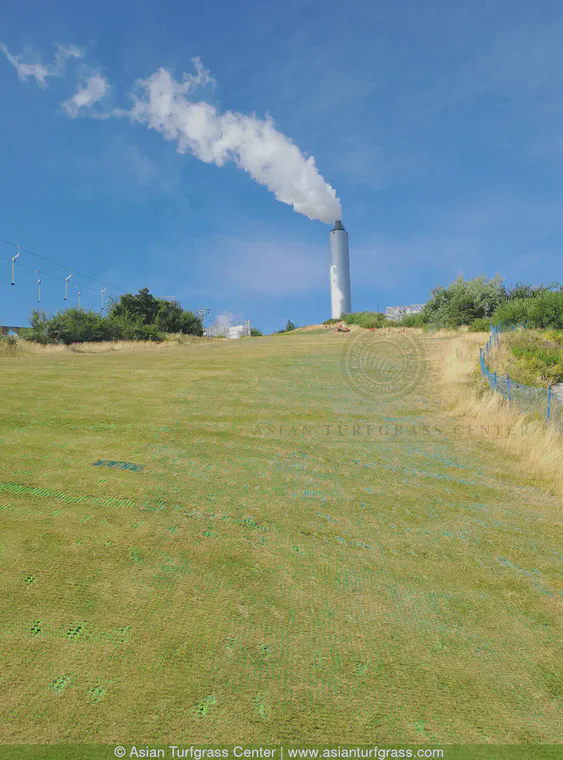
541	311
190	324
142	304
142	308
522	290
72	326
138	316
464	301
38	326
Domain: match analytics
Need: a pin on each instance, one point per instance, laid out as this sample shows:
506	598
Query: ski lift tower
201	314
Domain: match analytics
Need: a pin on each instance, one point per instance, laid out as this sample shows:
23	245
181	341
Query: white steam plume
253	144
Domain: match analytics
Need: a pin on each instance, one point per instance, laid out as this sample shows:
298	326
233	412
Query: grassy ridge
274	573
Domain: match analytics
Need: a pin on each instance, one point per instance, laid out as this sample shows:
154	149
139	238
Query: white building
398	312
222	328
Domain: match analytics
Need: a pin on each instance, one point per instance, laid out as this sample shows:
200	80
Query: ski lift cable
56	263
48	274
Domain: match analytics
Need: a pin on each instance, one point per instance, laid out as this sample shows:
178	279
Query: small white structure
222	328
235	331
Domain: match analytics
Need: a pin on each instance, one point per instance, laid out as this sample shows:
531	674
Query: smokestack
339	259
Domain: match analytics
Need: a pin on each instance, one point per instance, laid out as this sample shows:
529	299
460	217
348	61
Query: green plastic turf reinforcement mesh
120	465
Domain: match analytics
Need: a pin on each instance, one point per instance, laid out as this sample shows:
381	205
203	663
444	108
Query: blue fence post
548	403
508	385
495	381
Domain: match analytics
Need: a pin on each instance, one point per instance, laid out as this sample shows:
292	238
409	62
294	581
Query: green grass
275	572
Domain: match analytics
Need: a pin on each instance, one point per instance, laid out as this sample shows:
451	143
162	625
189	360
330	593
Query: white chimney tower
339	259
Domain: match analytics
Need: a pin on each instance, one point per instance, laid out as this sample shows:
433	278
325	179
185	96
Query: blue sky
438	124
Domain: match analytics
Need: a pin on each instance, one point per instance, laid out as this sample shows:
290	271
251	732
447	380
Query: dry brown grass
538	449
28	348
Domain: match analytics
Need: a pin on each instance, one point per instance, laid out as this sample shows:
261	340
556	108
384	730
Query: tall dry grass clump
116	345
23	348
468	398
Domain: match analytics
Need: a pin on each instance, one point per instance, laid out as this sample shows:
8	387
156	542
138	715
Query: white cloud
95	88
39	71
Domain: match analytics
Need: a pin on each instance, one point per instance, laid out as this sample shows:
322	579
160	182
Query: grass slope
273	573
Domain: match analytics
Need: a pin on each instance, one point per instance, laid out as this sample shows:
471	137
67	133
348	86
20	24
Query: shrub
190	324
536	359
255	333
288	328
133	317
143	308
79	326
38	329
522	290
482	324
543	310
464	301
413	320
142	305
367	319
513	312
